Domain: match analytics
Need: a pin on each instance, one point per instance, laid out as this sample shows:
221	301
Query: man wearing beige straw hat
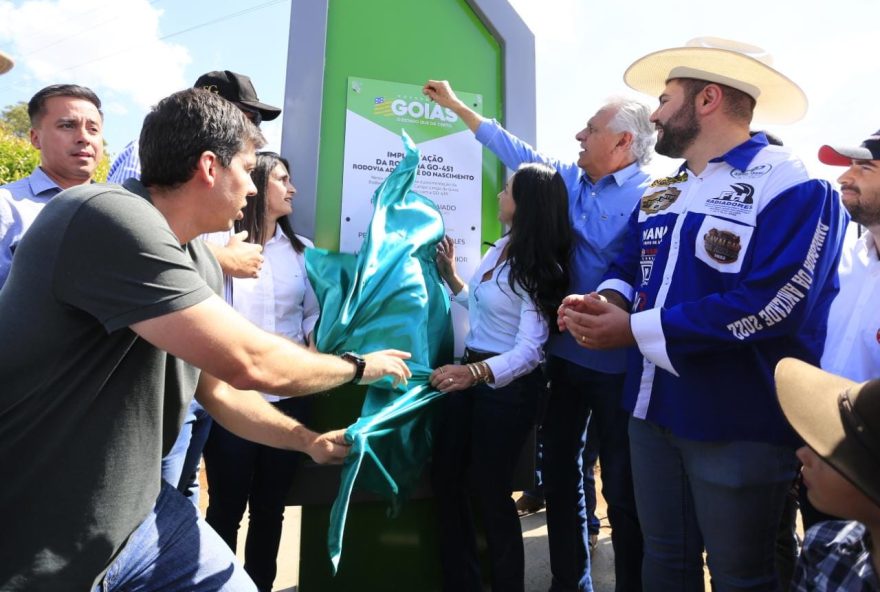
730	265
6	62
839	421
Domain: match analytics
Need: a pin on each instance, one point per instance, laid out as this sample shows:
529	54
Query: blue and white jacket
728	272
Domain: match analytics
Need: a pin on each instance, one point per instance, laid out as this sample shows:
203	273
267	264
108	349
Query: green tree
15	117
17	157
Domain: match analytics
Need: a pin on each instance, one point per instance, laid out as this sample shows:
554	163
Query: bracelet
487	371
474	373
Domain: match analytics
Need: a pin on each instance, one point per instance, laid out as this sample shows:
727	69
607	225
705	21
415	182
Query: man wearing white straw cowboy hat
730	265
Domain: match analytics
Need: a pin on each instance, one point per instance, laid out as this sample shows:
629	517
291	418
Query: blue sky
116	48
133	52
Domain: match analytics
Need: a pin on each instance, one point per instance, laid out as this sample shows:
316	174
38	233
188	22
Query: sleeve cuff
647	328
501	374
620	286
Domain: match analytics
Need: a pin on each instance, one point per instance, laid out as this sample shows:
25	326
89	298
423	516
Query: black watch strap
359	364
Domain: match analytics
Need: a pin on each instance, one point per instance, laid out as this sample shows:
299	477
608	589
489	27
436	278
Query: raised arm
441	93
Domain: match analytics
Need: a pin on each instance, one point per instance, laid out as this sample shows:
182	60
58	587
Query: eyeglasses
255	116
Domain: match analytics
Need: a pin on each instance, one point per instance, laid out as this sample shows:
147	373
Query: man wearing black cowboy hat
839	421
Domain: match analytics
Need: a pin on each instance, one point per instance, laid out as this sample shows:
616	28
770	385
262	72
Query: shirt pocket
722	244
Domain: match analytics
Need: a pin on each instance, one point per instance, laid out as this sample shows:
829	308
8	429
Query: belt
471	356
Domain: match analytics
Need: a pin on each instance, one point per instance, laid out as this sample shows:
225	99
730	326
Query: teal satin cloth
389	295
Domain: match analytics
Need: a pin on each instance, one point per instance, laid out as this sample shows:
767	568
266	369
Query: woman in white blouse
282	301
492	397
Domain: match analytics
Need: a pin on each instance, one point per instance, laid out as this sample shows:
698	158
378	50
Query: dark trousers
242	473
480	432
576	393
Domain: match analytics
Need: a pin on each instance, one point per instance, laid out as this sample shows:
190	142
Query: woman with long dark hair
492	397
282	301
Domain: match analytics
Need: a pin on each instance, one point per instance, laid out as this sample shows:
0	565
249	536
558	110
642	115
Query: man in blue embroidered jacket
729	266
604	186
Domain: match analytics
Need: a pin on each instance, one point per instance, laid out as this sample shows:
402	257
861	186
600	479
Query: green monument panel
472	44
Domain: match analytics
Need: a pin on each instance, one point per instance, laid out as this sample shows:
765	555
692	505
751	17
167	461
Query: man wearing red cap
852	348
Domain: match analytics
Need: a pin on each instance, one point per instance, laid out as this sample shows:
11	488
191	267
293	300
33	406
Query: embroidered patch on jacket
721	245
659	201
666	181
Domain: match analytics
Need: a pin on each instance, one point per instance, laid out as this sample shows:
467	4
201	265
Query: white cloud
114	48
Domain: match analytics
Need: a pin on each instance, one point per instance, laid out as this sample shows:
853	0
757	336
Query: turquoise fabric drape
389	295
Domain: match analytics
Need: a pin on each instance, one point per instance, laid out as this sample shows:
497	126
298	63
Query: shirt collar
278	236
739	157
620	177
868	244
40	182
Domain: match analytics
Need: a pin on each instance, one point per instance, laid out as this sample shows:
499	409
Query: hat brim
6	63
840	156
809	399
268	112
779	99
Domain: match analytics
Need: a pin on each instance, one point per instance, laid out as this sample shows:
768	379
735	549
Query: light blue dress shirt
20	202
599	214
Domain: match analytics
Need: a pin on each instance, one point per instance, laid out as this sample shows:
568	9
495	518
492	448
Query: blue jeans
726	496
180	466
480	432
588	464
579	395
243	473
173	549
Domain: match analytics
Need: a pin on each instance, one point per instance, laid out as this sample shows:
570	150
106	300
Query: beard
679	132
864	212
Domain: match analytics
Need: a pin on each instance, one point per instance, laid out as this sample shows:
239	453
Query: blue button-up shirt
599	214
20	202
127	165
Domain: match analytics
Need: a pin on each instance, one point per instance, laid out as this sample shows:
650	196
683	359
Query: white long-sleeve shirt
501	321
852	347
281	300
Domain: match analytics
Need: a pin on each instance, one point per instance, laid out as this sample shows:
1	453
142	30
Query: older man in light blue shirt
67	129
604	186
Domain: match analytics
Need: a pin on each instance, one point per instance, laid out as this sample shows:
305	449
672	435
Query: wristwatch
359	363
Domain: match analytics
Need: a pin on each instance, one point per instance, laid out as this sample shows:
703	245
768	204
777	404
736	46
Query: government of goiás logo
659	201
722	246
